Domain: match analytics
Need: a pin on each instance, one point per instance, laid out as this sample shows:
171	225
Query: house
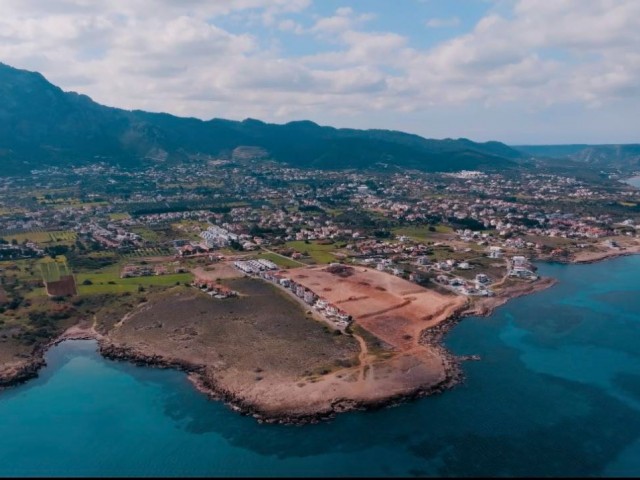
519	261
309	297
414	277
423	260
331	309
321	304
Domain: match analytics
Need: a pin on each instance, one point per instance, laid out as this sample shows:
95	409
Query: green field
318	252
21	269
280	260
553	242
119	216
422	233
102	289
61	206
105	278
53	270
50	270
42	237
150	252
146	233
189	228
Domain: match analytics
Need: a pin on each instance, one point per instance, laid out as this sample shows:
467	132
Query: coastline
22	372
431	337
601	256
196	374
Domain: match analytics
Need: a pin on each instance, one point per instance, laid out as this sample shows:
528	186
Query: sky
518	71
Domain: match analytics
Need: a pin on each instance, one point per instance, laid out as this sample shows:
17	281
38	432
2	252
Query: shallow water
557	393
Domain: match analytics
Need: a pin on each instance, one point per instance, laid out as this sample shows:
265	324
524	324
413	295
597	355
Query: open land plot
390	307
279	260
222	270
423	233
150	252
146	233
319	252
44	237
261	347
262	351
113	279
119	216
552	242
105	288
601	250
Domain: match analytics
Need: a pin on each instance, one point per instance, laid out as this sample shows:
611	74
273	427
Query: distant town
463	230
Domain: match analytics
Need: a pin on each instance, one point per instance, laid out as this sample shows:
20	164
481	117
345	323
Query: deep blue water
557	393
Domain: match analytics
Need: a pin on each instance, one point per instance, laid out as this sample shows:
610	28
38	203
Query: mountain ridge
622	156
40	124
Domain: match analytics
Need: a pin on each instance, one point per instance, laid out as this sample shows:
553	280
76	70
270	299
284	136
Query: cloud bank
236	59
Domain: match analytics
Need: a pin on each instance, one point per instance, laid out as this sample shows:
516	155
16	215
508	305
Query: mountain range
623	157
42	125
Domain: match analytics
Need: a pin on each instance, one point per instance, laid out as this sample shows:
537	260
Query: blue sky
406	16
519	71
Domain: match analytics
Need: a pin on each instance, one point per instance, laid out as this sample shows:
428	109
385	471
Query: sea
556	393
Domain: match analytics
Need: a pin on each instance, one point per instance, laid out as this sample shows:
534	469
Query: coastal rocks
18	374
116	352
207	379
466	358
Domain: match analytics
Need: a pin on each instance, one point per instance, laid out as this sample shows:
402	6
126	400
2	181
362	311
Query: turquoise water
557	393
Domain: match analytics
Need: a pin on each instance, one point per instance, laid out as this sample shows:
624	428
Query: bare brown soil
217	271
63	287
262	353
262	349
389	307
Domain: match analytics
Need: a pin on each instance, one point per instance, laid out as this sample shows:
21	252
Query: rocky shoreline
21	373
29	369
433	337
582	258
207	386
606	257
487	305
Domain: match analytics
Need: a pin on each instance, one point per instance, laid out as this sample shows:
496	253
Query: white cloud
289	25
165	55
